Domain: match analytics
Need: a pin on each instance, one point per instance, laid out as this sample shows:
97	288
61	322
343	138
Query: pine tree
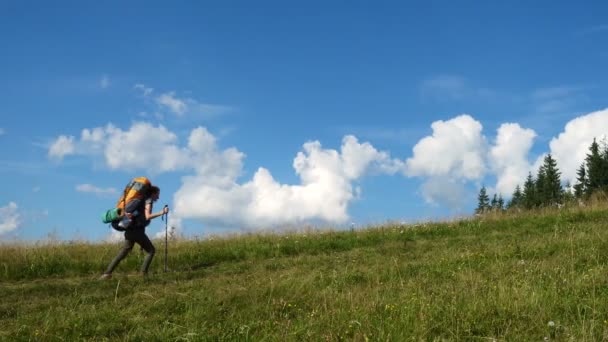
483	201
494	203
529	198
516	199
580	188
501	203
595	165
541	198
551	184
604	166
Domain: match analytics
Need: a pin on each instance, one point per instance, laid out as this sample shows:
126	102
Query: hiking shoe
105	276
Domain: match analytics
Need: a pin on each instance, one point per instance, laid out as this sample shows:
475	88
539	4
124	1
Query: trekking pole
166	219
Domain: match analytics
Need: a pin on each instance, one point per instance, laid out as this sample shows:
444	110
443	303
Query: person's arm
150	215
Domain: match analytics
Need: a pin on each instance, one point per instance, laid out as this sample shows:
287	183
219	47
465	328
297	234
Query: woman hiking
136	232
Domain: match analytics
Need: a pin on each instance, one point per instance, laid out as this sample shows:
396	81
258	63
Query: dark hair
153	190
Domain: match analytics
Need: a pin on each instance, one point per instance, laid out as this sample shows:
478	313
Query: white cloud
456	152
454	156
570	147
324	193
142	147
175	105
61	147
89	188
456	149
508	157
10	219
104	82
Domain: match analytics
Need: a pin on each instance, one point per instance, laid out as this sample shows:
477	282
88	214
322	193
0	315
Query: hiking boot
105	276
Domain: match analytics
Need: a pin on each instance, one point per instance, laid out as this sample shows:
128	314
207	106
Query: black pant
132	236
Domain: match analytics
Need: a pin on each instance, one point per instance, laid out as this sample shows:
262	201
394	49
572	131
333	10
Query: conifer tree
494	203
501	203
529	199
580	188
604	166
541	197
483	203
551	183
595	164
516	199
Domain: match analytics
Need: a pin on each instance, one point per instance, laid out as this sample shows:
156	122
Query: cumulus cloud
324	193
458	153
454	154
89	188
451	159
142	147
508	157
456	148
10	219
570	147
212	192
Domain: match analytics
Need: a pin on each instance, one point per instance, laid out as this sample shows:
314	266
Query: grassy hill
518	278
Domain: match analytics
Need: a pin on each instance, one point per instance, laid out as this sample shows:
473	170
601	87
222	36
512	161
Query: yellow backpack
136	189
131	198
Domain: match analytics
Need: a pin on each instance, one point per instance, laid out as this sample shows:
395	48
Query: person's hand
165	210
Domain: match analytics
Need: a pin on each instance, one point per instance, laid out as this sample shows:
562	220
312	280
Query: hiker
136	233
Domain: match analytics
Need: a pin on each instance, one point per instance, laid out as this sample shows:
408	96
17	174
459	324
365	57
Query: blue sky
254	115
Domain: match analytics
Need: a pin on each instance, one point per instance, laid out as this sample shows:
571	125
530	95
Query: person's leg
147	245
126	248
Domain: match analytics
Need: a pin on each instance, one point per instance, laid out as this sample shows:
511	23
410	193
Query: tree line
546	190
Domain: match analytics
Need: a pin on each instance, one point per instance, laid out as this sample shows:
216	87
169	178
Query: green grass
500	277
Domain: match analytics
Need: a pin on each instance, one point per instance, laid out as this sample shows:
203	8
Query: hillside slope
518	278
